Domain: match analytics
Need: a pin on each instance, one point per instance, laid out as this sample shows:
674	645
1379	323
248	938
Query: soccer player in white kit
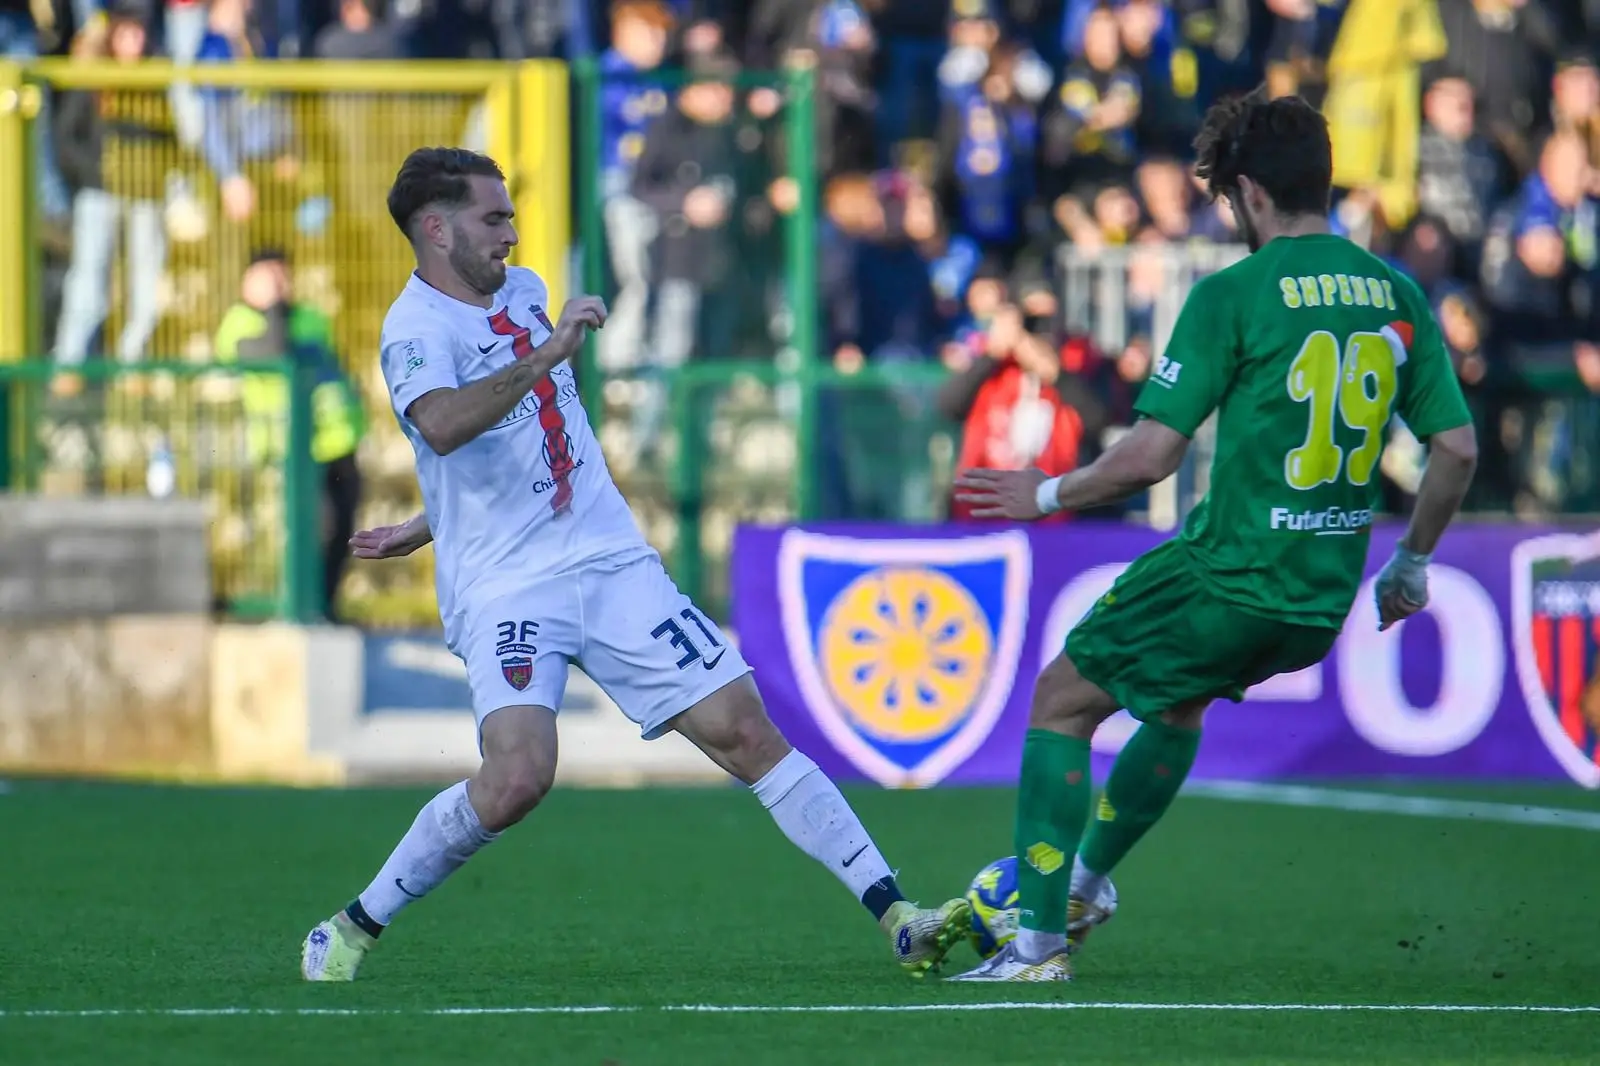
540	564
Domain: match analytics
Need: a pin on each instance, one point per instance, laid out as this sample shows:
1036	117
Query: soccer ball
993	896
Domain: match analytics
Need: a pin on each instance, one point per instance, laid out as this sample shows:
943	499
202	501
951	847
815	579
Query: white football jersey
532	496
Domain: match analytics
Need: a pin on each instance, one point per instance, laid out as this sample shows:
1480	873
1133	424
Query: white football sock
1086	884
445	835
814	815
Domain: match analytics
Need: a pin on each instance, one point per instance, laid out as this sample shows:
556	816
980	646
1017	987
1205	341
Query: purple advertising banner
908	656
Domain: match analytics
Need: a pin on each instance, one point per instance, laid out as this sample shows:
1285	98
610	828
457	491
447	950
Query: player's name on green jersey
1337	290
1327	521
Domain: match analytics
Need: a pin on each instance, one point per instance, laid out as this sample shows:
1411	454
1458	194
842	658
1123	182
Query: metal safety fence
180	177
183	431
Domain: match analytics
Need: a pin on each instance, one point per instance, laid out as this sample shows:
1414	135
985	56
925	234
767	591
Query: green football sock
1052	807
1145	778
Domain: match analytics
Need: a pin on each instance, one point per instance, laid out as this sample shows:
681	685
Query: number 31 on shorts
675	635
1359	389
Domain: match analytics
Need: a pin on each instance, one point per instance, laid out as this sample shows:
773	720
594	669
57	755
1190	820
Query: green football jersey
1305	349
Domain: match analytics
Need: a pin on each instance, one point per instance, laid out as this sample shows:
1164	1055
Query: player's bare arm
1402	587
392	542
450	418
1147	455
1452	458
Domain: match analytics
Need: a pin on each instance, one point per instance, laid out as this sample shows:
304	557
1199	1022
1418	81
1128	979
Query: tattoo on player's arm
521	376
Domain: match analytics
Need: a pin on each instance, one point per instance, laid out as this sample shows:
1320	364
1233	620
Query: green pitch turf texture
122	906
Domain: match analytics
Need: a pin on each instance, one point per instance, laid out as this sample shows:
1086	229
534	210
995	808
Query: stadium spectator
116	148
538	29
1538	269
269	324
630	99
688	173
183	31
852	216
1460	175
1170	203
1575	101
363	136
892	280
1093	130
1169	77
247	139
361	32
1297	52
843	47
952	258
20	39
1003	394
1502	47
988	143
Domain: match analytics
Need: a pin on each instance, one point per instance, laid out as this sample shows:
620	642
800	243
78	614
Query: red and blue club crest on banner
1555	607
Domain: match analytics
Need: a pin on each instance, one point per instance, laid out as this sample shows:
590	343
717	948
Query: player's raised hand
1402	587
581	316
1009	494
390	542
581	313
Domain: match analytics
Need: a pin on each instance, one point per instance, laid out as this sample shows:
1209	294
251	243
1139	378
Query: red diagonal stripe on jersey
557	445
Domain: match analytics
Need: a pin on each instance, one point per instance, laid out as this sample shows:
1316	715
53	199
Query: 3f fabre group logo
1555	618
515	649
904	650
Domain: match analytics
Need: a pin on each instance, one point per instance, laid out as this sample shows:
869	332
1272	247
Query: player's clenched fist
582	313
579	318
1402	586
1009	494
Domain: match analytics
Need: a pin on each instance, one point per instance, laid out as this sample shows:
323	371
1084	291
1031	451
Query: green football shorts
1160	638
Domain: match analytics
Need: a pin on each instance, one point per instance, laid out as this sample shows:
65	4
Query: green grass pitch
121	906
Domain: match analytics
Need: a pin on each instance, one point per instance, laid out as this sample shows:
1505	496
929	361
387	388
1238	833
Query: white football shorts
622	620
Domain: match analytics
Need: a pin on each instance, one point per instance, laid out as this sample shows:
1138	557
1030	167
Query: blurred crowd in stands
969	153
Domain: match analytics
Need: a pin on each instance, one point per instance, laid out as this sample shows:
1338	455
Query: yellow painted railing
314	184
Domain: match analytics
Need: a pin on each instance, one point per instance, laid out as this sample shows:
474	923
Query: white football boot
1007	965
1083	914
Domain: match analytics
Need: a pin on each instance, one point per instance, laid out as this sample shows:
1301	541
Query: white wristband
1045	496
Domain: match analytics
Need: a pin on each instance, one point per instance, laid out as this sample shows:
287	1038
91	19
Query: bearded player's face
482	236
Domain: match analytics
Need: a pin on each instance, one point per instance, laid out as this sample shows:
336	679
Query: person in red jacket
1004	394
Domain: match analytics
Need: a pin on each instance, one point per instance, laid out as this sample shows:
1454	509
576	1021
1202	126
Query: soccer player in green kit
1305	349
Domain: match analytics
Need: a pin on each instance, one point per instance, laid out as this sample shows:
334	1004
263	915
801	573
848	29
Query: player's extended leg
519	763
1052	808
731	726
1144	780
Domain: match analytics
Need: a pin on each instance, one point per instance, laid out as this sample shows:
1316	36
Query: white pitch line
842	1008
1338	799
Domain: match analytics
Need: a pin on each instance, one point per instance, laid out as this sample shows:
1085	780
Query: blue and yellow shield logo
904	650
1555	619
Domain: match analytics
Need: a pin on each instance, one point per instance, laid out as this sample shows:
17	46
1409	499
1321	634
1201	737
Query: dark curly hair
1281	144
436	176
